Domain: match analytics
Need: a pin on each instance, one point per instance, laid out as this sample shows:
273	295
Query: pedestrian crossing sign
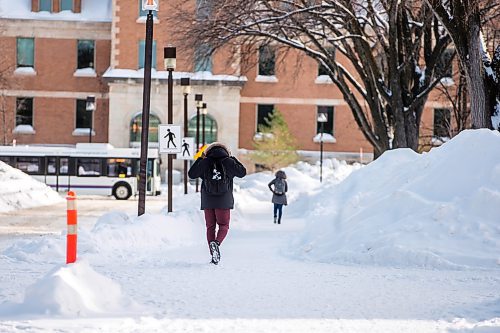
187	149
169	139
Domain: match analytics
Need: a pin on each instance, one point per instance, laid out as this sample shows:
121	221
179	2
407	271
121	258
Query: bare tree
457	97
5	83
464	19
388	51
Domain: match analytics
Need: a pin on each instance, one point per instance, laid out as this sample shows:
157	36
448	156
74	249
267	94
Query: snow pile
435	210
116	233
252	195
18	190
46	249
72	290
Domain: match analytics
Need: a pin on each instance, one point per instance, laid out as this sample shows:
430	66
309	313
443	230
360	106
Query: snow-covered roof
92	11
163	75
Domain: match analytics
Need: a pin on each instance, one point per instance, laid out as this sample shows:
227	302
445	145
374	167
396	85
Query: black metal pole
321	155
197	136
170	120
90	130
146	99
203	129
185	135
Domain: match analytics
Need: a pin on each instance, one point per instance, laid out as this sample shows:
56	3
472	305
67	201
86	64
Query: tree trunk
3	110
475	76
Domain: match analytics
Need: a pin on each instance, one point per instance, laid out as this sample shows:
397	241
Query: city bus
87	168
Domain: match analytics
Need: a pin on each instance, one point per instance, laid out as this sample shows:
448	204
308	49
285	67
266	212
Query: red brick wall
54	117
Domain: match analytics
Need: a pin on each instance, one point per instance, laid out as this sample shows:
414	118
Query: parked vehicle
87	168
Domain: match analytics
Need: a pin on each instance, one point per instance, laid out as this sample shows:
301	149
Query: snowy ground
152	274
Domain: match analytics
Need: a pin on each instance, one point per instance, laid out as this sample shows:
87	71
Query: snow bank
116	233
18	190
252	195
72	290
45	249
434	210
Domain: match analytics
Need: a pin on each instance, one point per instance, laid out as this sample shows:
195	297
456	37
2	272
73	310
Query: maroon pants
214	217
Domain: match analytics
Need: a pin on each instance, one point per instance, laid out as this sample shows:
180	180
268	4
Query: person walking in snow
217	168
279	187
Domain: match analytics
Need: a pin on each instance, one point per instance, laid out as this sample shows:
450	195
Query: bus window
29	165
88	166
5	159
119	167
51	165
63	166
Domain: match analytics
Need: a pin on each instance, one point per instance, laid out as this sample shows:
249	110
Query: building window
267	60
136	128
330	52
442	123
210	129
202	59
83	117
330	116
45	6
25	52
444	67
322	70
142	45
24	111
145	12
263	113
86	54
66	5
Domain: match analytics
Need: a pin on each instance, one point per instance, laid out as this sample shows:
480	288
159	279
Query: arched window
136	129
210	129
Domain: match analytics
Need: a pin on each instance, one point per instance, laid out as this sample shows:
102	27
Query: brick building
53	57
55	53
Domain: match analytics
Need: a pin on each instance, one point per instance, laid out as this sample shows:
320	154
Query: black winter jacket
232	167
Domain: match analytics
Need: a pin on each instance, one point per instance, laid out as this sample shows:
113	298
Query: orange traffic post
72	227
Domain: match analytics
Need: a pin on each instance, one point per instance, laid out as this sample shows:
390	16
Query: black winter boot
214	247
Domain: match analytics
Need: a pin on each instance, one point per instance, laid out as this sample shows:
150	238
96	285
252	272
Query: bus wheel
122	191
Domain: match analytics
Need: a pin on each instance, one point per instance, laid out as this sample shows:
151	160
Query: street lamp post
203	116
149	5
90	106
322	119
169	56
186	90
199	104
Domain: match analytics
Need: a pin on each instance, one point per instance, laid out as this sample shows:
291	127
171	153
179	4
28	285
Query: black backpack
216	180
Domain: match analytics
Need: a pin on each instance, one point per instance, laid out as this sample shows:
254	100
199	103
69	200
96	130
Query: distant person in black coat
217	168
